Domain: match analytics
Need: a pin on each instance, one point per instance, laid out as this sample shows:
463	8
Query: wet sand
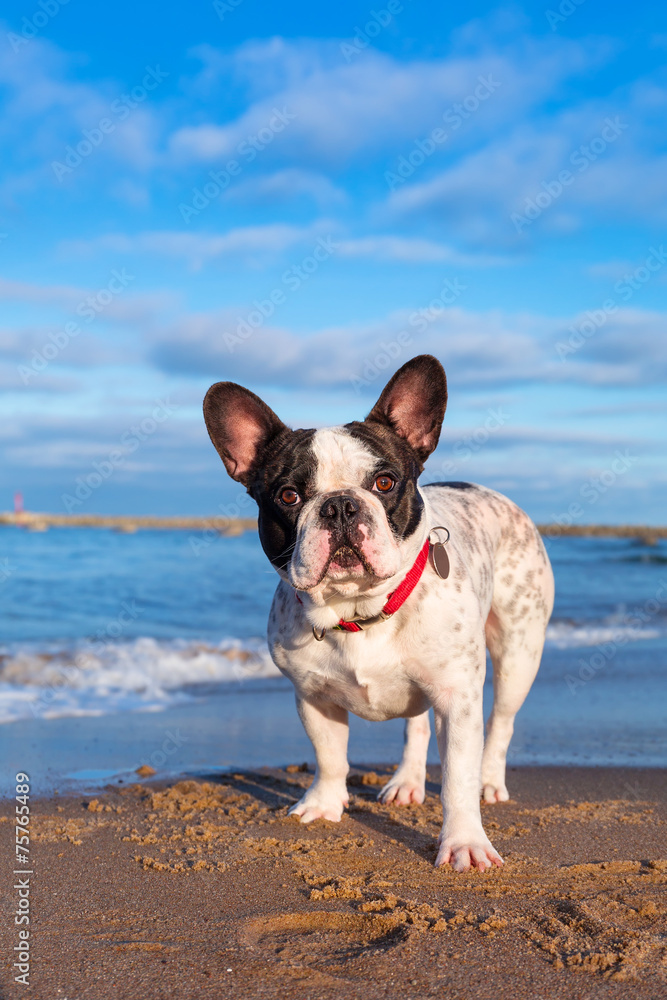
204	888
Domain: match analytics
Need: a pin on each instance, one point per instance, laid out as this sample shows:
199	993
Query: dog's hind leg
409	782
515	631
515	664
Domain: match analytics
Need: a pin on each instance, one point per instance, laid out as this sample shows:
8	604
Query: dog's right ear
240	426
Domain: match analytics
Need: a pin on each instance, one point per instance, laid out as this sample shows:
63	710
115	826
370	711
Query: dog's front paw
404	787
463	853
495	792
321	802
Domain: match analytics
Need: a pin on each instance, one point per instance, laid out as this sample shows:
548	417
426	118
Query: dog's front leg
326	725
460	732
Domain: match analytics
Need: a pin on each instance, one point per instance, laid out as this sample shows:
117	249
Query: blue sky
300	198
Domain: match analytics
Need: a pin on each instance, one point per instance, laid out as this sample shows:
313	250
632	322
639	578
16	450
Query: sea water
95	624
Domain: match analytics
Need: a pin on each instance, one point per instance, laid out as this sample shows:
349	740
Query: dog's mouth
347	561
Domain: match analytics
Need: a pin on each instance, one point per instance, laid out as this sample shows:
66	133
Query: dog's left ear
413	404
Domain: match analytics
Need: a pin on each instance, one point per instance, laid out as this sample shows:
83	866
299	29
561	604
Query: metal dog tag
438	554
440	560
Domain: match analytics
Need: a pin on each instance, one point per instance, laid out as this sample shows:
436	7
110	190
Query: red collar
394	600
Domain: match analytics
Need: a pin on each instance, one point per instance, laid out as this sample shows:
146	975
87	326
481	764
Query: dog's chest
386	671
372	674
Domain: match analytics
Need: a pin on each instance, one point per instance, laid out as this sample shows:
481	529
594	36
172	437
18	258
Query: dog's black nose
339	508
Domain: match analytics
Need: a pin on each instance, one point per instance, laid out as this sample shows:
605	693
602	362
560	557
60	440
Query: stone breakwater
35	521
126	523
646	533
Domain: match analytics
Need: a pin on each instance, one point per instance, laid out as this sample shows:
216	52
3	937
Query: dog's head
339	508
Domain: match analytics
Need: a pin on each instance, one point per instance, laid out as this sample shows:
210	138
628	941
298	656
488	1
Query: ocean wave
81	678
144	674
570	635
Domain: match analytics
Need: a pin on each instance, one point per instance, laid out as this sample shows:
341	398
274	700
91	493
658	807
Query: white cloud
287	185
39	360
477	348
266	242
263	241
53	295
344	112
413	250
611	270
125	306
45	110
476	195
10	381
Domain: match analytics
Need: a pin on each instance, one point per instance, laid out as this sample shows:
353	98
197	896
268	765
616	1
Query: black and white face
339	507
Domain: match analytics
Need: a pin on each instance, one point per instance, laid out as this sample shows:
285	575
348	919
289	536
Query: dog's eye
289	497
383	484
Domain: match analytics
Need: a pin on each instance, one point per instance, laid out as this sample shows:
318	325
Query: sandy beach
205	888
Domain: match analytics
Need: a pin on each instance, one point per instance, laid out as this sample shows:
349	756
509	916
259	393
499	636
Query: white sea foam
570	635
145	674
60	680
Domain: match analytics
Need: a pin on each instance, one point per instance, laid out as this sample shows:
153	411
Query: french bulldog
390	593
